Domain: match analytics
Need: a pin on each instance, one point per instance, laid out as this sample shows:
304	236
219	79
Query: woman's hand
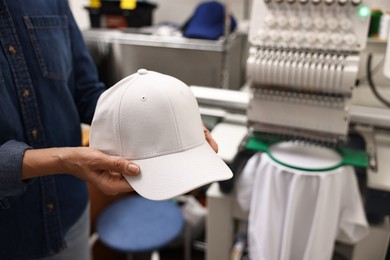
102	170
210	139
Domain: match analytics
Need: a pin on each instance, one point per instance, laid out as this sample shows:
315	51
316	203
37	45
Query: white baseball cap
153	119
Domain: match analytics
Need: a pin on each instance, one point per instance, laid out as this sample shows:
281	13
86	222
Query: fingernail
133	168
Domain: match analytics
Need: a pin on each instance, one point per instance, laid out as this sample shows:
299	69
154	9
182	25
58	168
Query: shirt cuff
11	184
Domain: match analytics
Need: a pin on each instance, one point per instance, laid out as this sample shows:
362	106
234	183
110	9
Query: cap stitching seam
119	122
119	109
174	116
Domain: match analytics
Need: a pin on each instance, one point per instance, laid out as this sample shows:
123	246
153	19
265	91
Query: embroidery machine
303	63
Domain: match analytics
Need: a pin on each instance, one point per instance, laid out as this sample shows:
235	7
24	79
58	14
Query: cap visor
168	176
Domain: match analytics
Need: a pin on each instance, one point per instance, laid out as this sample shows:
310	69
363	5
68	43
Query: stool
137	225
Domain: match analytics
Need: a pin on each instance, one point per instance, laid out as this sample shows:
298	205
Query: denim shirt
48	85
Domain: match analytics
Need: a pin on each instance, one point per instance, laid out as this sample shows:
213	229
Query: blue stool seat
136	224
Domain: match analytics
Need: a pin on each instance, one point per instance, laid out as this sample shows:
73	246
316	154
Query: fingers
210	139
104	171
111	181
124	166
112	185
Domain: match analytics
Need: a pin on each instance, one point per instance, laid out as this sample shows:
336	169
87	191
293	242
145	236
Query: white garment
297	215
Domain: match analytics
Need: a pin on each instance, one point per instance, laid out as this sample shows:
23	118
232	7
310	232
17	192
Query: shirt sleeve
11	184
353	224
244	185
84	77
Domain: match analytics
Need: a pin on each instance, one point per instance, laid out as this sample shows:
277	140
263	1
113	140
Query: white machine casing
386	66
302	66
320	25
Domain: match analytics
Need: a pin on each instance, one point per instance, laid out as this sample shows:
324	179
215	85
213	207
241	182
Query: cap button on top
142	71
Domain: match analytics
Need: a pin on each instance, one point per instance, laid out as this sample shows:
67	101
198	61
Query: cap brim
165	177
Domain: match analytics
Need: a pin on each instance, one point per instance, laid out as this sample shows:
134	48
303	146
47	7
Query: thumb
123	166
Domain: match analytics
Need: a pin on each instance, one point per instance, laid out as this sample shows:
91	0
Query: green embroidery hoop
262	142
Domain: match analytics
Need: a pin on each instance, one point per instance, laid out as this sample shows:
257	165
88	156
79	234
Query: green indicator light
364	11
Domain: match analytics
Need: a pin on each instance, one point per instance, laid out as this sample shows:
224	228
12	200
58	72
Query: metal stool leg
155	256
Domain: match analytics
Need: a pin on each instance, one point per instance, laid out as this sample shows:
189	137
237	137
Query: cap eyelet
143	98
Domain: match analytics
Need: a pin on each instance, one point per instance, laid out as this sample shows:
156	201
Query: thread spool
95	4
376	15
128	4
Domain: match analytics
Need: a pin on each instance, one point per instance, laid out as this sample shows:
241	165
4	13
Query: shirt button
11	50
25	93
50	207
34	133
